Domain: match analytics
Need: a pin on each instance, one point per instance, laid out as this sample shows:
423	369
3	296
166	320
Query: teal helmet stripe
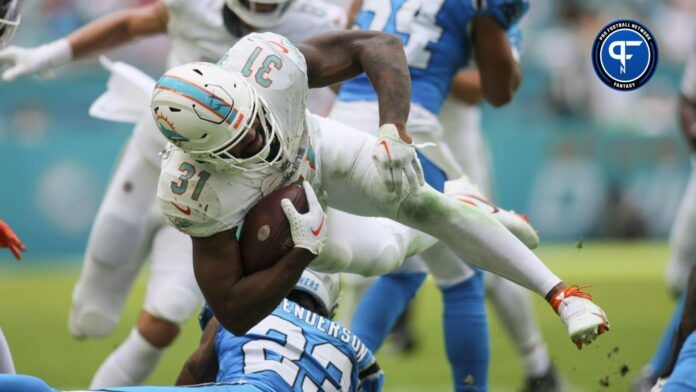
221	108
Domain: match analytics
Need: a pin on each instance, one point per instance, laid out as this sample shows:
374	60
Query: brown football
265	236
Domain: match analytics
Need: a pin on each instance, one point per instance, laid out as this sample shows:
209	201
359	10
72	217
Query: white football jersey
200	199
197	33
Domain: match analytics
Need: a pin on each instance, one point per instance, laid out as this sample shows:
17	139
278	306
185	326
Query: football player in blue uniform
682	245
439	39
296	348
678	374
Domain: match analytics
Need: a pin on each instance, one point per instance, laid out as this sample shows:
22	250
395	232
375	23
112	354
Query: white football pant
128	227
350	178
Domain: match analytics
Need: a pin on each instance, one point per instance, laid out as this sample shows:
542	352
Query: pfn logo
624	55
621	55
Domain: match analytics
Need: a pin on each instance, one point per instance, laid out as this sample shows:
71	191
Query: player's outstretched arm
499	70
239	302
338	56
105	33
341	55
202	366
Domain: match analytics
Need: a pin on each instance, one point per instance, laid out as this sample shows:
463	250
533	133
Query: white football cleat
518	224
584	319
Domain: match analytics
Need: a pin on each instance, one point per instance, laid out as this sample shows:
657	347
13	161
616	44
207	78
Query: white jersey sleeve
200	201
688	83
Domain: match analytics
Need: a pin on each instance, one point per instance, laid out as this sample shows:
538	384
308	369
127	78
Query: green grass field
627	280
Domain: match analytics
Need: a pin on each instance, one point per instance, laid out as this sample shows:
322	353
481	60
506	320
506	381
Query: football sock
664	348
476	238
466	333
6	364
130	364
513	306
382	305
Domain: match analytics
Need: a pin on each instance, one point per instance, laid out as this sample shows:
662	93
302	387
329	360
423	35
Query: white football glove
308	230
395	159
24	61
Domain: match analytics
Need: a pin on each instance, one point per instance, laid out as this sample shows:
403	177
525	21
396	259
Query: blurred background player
129	225
461	120
296	348
10	11
8	239
682	245
679	373
433	60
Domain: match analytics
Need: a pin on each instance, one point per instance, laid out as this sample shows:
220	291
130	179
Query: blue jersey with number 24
294	349
435	37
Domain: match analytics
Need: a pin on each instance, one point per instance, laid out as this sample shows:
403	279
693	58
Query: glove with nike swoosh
308	230
395	159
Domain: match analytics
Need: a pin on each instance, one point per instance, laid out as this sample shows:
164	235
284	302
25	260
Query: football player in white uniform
240	129
129	225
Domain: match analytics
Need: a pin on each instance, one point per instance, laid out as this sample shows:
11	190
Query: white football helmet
252	11
10	17
206	110
324	288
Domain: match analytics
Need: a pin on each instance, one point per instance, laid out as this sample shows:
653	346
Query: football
265	236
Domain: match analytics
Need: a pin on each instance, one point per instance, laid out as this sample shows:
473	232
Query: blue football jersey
294	349
436	41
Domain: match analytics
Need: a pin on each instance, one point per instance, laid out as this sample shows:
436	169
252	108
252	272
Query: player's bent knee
335	257
89	323
114	241
173	303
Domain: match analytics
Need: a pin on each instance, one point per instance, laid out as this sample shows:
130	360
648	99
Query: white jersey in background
198	33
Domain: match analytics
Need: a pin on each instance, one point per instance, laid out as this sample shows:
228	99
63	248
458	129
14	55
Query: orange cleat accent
572	291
